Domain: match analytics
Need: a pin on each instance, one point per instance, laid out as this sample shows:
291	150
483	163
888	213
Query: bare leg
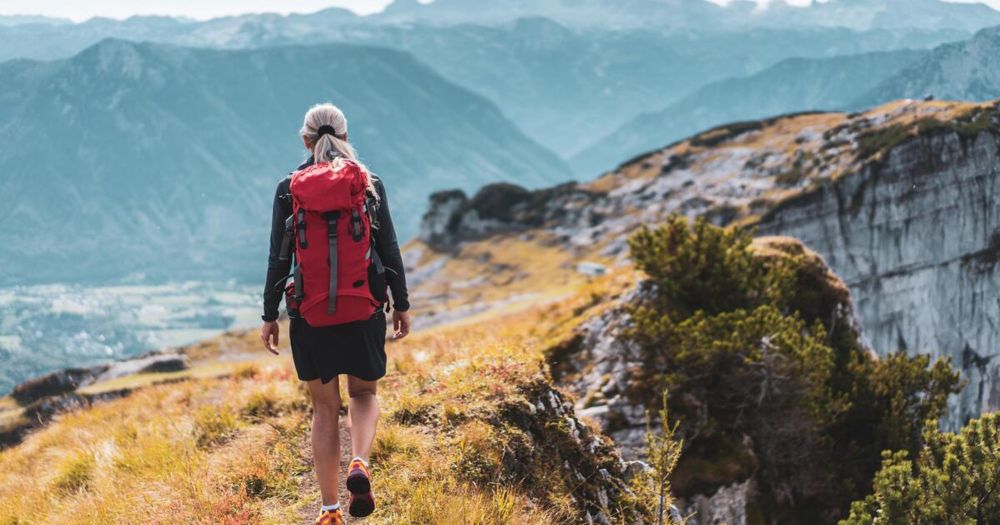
364	415
326	436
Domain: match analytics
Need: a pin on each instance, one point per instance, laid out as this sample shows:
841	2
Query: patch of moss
791	177
878	142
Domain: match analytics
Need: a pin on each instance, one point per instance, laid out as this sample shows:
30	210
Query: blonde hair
331	148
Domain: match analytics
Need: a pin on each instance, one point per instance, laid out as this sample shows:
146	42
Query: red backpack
333	245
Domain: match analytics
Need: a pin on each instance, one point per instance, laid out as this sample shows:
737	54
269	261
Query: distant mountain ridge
669	15
968	70
859	15
796	84
16	20
148	159
563	85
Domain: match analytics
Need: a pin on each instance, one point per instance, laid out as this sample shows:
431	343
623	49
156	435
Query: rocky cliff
899	200
917	237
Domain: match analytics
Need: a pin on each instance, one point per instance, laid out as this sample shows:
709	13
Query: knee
361	391
326	409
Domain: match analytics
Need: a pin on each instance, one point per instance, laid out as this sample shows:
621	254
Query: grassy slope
227	442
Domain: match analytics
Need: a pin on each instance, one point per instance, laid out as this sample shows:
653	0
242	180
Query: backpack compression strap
286	242
299	291
331	224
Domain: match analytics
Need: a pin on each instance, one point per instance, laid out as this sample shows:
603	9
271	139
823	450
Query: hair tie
326	129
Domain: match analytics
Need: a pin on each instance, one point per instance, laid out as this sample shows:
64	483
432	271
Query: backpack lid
321	187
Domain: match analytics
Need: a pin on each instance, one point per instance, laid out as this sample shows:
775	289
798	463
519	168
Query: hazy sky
77	10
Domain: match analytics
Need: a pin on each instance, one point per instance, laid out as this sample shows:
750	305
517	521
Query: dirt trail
309	487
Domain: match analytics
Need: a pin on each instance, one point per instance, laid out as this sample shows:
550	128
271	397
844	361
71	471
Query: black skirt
355	349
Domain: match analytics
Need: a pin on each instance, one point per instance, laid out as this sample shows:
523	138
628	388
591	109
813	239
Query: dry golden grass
228	442
504	273
176	453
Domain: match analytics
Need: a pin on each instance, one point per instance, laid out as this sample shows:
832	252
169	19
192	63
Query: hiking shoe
361	505
359	480
331	517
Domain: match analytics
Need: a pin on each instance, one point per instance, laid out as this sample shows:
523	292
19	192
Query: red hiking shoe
331	517
359	484
359	480
361	505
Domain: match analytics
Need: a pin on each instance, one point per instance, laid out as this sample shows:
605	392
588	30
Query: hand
269	335
401	324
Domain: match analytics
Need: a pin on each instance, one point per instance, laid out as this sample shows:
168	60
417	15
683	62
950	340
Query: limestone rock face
597	365
917	239
901	201
726	507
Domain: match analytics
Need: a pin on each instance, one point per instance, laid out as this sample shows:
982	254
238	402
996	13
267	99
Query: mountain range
965	70
698	14
506	98
564	84
661	15
797	84
149	159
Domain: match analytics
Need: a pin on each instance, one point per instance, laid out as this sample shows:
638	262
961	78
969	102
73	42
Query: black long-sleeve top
385	244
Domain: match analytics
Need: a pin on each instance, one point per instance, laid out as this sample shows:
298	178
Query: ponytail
325	126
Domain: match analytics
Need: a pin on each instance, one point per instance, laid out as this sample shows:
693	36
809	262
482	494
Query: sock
326	508
359	458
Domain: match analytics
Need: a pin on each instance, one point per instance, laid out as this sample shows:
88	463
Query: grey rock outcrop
56	383
597	366
917	239
726	507
156	362
902	201
453	217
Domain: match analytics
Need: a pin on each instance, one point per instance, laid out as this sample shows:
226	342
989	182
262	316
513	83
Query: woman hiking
332	217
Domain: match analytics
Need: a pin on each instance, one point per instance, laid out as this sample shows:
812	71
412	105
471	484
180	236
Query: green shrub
759	352
701	267
663	450
955	479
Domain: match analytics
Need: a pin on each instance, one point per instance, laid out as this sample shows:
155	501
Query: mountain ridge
129	107
792	85
967	70
685	14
